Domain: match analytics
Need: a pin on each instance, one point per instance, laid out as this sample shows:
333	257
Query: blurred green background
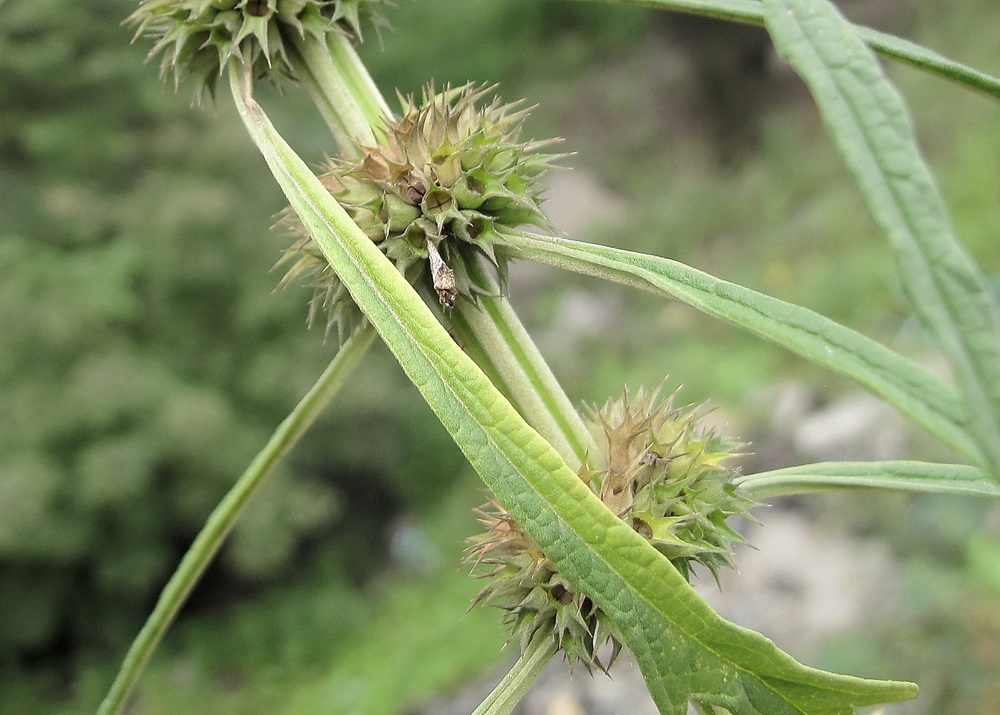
144	358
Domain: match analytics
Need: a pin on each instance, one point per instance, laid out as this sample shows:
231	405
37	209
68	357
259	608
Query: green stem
515	684
363	88
222	519
491	333
349	104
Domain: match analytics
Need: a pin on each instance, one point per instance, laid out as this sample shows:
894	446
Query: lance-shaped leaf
686	651
867	119
928	400
910	476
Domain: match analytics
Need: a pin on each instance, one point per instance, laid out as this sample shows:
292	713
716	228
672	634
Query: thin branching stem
333	95
364	91
515	684
222	519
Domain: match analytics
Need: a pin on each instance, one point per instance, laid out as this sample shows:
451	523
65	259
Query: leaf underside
925	398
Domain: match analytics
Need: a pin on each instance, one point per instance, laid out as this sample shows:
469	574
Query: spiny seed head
663	473
659	472
199	37
439	190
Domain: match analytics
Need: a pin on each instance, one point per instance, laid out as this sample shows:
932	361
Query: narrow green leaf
925	477
928	400
684	648
751	12
869	122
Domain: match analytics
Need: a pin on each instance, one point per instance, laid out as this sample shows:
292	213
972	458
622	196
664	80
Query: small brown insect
443	276
652	459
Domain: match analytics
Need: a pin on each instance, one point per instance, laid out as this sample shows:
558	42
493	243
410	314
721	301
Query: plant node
449	178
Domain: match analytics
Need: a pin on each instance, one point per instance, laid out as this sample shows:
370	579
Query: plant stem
492	334
363	88
516	683
340	87
222	519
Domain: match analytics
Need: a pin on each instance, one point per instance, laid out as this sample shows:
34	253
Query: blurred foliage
939	624
144	359
461	41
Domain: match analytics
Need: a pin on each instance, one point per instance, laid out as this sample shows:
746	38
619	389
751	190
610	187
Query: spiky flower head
199	37
659	472
438	191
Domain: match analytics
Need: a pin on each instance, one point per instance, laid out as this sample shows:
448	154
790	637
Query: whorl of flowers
449	177
657	471
199	37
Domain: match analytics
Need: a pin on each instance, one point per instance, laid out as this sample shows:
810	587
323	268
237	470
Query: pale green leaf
686	651
928	400
909	476
869	122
